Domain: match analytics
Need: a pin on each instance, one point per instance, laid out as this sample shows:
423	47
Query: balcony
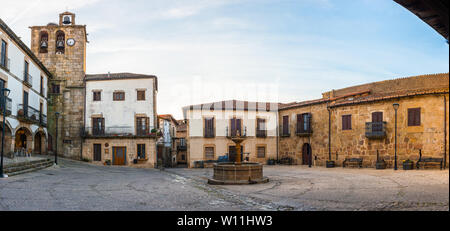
8	102
182	145
232	133
28	114
376	130
285	131
27	79
4	62
118	131
304	130
43	120
261	133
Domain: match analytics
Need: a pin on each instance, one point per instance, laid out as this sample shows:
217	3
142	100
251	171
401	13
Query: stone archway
7	141
306	154
40	143
23	140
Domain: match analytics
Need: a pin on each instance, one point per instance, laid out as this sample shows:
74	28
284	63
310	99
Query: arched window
60	42
43	42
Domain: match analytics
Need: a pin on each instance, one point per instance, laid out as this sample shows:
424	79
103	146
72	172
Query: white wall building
26	77
120	118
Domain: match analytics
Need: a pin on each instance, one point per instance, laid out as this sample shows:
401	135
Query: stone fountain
238	173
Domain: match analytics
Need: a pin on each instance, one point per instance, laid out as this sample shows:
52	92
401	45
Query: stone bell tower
62	49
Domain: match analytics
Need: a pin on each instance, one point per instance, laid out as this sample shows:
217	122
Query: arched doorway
7	141
23	140
306	154
39	143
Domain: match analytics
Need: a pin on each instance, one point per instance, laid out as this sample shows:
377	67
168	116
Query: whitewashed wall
120	113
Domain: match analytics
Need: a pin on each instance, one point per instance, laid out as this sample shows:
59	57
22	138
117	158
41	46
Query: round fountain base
238	174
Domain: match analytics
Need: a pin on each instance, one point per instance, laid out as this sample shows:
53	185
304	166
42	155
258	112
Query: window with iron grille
261	152
141	95
347	122
119	96
209	153
98	126
3	57
142	125
304	123
141	151
209	127
414	117
55	88
97	95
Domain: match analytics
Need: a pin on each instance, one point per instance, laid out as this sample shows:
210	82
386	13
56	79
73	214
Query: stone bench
355	161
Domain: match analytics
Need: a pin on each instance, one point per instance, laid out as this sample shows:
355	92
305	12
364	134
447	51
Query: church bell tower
62	49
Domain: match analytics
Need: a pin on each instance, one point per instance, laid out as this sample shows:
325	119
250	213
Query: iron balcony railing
285	131
43	119
182	145
4	62
116	131
27	78
261	133
304	129
8	103
231	133
376	130
28	113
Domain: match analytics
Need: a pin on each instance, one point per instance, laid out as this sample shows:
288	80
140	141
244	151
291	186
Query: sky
258	50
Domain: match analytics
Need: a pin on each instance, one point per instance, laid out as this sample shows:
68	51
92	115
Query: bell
44	44
66	20
60	44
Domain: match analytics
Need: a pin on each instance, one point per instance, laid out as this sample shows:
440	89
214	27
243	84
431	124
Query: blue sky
264	50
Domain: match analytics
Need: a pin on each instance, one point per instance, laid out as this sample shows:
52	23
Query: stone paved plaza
81	186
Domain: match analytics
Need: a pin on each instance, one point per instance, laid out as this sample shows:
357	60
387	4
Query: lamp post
396	106
5	93
56	136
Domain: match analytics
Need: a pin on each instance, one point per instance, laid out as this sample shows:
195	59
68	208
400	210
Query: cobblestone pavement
80	186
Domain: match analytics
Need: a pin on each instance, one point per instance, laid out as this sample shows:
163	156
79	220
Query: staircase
25	167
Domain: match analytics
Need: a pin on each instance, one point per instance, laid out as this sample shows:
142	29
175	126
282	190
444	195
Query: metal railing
4	62
27	78
285	131
376	130
8	102
116	131
182	145
304	129
261	133
43	119
230	133
28	113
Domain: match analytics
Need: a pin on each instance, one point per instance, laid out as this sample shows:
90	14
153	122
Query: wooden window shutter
414	117
147	125
103	124
417	117
300	123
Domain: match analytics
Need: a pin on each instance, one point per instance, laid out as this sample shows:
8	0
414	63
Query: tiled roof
113	76
235	105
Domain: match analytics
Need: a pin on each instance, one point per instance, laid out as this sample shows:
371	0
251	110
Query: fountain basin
238	174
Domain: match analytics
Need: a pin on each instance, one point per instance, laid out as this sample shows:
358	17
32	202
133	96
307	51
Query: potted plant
408	164
20	112
108	162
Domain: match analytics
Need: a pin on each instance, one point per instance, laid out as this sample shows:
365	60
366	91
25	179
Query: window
25	103
98	126
261	152
97	152
209	153
3	56
304	123
55	88
97	95
261	127
209	128
141	151
414	117
347	122
236	128
142	126
119	96
42	85
285	126
140	95
26	75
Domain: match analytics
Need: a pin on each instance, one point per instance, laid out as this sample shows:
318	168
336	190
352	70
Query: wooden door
306	154
377	119
37	144
97	152
119	155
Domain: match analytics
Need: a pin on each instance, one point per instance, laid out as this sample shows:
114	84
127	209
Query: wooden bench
424	161
357	161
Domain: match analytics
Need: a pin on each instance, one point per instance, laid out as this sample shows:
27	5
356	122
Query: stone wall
428	137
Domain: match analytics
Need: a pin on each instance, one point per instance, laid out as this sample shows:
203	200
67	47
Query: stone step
26	167
26	163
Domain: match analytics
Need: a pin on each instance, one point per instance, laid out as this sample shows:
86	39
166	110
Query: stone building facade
181	135
62	49
362	123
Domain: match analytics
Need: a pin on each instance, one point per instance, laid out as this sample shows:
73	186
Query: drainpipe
277	132
445	131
